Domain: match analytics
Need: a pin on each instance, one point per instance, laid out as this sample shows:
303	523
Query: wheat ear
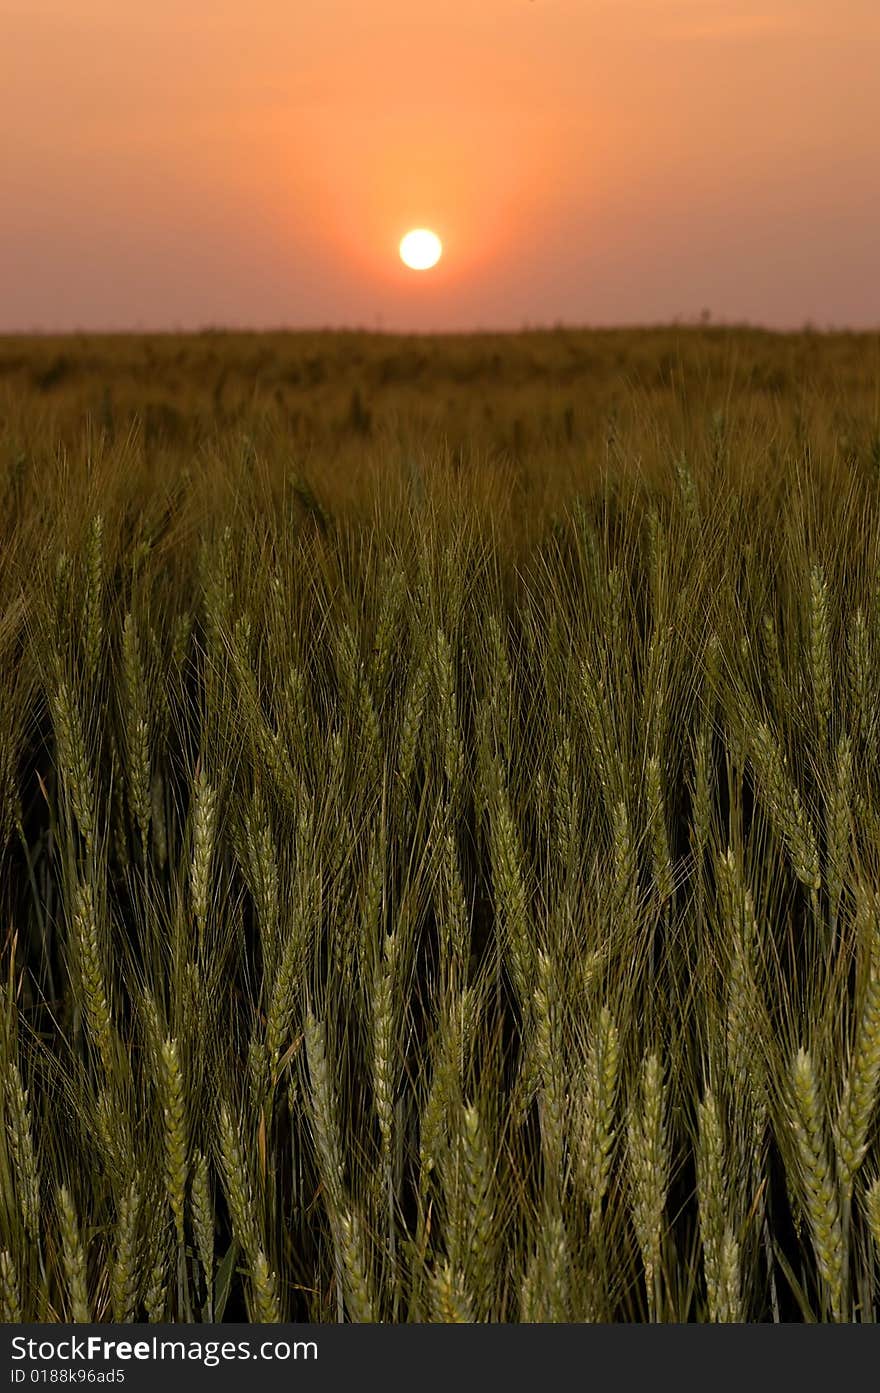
649	1173
172	1096
237	1184
10	1292
74	1258
597	1129
859	1094
267	1306
450	1301
817	1179
124	1273
19	1126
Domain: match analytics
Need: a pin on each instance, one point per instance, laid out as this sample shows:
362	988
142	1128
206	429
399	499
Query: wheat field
440	827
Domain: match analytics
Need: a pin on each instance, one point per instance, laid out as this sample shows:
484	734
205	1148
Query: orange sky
181	163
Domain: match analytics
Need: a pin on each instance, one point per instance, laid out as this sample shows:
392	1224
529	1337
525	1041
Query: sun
421	249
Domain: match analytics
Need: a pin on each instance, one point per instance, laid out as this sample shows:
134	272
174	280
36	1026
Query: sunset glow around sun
421	249
307	167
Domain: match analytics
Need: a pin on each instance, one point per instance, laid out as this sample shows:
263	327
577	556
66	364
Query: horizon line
698	323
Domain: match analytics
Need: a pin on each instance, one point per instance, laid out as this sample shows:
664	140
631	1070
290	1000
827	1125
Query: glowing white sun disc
420	249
